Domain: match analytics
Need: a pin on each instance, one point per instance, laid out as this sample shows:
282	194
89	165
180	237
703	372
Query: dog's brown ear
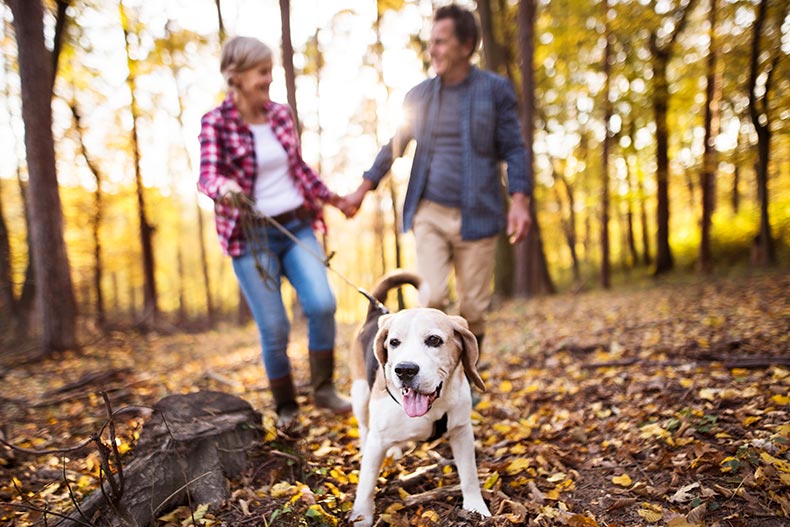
470	352
379	347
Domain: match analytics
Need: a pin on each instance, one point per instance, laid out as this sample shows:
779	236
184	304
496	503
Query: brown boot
322	366
285	401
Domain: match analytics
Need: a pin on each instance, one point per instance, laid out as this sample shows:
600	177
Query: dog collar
387	387
439	428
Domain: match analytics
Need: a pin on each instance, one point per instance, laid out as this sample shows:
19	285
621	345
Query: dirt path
665	406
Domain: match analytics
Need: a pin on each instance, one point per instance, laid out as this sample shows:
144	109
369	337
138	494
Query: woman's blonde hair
240	54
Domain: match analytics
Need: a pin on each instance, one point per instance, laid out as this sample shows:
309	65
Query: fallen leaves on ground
665	406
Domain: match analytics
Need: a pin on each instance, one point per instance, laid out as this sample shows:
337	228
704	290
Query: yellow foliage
779	464
283	489
782	400
652	514
623	480
491	480
516	466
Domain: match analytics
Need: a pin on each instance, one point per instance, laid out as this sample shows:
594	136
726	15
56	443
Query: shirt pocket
483	126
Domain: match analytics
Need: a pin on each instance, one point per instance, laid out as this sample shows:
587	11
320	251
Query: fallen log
187	449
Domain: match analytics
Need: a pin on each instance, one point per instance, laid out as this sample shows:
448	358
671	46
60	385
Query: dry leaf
623	480
684	494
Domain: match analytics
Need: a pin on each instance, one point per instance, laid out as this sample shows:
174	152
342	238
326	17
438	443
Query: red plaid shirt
227	151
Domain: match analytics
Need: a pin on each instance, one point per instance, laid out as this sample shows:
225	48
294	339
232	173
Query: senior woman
249	147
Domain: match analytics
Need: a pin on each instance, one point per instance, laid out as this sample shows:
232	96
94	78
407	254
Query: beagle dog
409	373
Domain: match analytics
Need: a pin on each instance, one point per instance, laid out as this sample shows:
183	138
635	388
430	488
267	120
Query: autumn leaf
779	464
579	520
684	494
624	480
516	466
491	480
681	521
782	400
317	513
652	514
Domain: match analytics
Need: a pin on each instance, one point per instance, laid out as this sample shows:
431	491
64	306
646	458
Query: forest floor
665	404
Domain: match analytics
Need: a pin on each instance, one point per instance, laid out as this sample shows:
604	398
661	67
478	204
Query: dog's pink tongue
416	404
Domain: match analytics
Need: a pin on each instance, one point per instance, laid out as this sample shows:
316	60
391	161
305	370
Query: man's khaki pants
437	231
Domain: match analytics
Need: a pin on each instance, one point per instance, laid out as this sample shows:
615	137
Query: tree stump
188	448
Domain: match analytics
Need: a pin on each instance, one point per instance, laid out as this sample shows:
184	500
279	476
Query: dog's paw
395	452
478	506
360	519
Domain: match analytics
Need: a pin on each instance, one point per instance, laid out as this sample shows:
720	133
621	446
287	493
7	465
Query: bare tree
495	58
170	47
221	27
606	270
532	273
288	59
150	300
765	252
98	213
54	291
661	48
709	157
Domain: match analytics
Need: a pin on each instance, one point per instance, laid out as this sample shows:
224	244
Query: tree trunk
7	298
569	224
764	251
662	52
710	157
187	450
496	60
201	240
629	214
288	60
54	292
220	23
532	275
150	297
204	263
61	20
606	269
664	261
96	220
493	53
647	258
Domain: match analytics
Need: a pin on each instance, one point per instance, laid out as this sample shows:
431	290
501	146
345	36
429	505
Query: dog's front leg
462	442
372	457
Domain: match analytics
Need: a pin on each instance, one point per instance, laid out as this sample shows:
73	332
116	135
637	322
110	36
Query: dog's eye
433	341
394	343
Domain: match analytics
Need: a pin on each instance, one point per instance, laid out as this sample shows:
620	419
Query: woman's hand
343	205
227	189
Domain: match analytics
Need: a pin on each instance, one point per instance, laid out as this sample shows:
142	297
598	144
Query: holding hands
350	203
343	205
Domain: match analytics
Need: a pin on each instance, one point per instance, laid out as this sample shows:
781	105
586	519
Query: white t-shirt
275	191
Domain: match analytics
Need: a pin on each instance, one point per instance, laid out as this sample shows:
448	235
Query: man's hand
354	200
342	204
518	218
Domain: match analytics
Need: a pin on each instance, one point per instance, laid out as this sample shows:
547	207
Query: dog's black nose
406	370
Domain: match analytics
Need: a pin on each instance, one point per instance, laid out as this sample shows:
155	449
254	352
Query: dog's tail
395	279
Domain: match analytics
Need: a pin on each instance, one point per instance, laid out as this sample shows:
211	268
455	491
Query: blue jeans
280	256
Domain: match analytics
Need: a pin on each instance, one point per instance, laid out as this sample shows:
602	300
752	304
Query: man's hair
464	23
240	54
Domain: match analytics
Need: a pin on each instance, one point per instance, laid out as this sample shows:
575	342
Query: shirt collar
230	112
